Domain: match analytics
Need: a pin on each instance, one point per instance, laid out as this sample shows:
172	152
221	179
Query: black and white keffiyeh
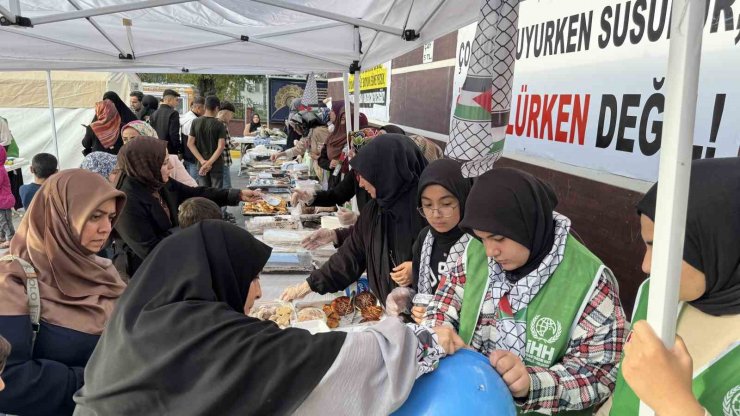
427	280
511	335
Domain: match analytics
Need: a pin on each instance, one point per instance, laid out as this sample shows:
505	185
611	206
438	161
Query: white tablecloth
250	140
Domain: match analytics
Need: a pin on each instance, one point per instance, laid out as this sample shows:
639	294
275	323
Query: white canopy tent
300	36
220	36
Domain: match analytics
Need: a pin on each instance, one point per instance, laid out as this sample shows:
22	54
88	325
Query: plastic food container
422	299
310	314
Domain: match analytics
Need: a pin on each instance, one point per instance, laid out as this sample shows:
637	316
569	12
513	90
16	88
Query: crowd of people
125	292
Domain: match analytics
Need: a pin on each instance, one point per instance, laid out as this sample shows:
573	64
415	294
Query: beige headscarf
78	289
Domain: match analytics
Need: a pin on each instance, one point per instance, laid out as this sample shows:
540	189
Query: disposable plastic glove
303	195
399	301
346	217
296	292
319	238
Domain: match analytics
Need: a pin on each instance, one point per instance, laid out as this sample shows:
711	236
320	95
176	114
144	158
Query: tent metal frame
97	27
30	34
247	38
100	11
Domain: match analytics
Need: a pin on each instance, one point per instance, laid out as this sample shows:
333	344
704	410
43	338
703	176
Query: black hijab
179	343
392	164
149	105
446	173
126	114
393	129
516	205
712	239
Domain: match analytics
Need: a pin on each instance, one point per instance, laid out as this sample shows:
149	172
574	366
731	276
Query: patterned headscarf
101	163
144	129
106	124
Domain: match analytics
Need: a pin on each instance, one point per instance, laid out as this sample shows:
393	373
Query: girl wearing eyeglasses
441	198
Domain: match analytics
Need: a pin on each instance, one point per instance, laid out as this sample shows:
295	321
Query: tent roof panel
167	38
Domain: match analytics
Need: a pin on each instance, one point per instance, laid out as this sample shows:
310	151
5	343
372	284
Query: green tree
226	87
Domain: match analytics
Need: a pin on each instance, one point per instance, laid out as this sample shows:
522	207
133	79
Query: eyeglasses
444	212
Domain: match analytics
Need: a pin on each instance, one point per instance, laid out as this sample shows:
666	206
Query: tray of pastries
263	208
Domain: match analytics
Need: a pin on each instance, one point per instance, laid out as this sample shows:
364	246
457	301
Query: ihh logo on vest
544	331
731	403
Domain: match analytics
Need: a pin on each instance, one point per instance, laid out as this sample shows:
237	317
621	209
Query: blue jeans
192	168
227	177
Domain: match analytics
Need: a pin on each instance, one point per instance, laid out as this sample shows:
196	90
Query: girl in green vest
709	319
532	298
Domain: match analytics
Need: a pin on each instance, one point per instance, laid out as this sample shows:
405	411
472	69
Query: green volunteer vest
552	313
717	386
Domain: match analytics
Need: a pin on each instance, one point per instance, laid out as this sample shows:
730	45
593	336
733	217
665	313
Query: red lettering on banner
560	135
580	119
534	114
547	117
558	117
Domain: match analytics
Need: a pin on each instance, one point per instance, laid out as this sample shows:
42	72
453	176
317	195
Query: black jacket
364	249
166	121
143	223
325	164
90	143
341	193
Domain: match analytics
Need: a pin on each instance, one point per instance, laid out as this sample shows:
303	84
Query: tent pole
15	7
682	78
245	102
356	122
347	107
347	112
356	118
51	113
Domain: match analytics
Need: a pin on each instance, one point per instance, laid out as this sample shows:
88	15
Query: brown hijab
338	139
141	159
78	289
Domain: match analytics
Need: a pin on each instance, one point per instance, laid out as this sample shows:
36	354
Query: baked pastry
332	319
262	207
280	314
365	299
371	313
342	305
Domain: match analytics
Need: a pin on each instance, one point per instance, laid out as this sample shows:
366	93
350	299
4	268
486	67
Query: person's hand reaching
248	195
303	195
298	291
319	238
346	217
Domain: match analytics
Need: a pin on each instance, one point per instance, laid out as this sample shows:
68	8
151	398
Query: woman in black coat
110	127
154	199
389	168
